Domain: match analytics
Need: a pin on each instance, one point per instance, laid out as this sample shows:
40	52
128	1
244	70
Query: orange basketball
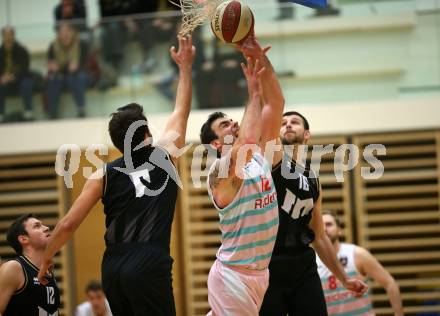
232	22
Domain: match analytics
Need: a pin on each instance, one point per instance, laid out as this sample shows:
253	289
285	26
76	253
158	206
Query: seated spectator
166	85
114	27
150	30
14	72
67	58
220	82
96	304
123	21
73	11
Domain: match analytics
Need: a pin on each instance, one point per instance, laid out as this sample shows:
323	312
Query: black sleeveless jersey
297	190
139	197
34	299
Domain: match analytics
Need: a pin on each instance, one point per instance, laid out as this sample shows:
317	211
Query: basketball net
195	13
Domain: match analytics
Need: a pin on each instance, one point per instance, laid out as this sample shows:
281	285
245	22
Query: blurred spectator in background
147	30
286	9
14	72
220	81
73	11
96	304
115	26
330	9
67	58
123	21
166	85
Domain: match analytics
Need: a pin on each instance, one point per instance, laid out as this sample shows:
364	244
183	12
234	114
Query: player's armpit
214	180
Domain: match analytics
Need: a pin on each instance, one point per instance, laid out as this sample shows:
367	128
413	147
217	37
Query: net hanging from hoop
195	13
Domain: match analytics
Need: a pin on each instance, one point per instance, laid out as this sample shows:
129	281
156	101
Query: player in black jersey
139	192
294	284
21	294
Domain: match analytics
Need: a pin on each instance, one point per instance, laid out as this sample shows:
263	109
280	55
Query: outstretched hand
184	56
356	286
250	47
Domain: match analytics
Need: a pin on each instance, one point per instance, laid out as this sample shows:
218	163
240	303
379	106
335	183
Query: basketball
232	22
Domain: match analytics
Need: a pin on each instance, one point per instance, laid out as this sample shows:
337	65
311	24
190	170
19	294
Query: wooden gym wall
399	218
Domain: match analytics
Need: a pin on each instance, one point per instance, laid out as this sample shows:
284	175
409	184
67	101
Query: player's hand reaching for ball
250	47
184	56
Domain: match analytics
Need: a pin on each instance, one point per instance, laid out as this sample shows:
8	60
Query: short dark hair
332	214
94	286
207	134
17	229
306	123
120	122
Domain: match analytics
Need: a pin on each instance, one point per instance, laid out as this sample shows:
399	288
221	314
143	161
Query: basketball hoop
195	13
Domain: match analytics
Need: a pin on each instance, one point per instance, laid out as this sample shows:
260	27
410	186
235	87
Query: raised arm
326	253
273	99
225	189
173	137
250	126
368	265
65	228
